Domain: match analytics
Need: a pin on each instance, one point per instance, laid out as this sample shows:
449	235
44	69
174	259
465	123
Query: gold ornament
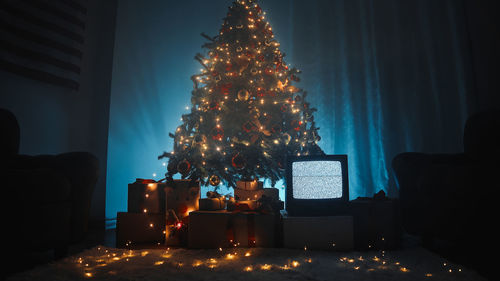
243	95
292	89
214	180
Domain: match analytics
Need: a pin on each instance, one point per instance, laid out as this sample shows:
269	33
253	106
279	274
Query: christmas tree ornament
199	139
183	167
286	138
213	105
214	180
217	133
243	95
249	126
238	161
292	89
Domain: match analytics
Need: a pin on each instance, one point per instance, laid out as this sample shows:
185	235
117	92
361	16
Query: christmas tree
247	115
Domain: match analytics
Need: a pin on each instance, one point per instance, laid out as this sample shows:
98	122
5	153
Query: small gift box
146	196
243	194
249	185
212	204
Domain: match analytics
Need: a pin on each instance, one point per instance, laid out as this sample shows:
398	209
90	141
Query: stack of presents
173	214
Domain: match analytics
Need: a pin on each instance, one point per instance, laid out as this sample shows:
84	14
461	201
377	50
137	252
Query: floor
19	263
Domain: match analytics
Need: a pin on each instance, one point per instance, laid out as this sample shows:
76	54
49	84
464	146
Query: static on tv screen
317	180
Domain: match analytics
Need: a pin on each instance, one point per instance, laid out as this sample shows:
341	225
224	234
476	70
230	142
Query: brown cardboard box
256	230
208	229
221	229
212	204
325	233
243	194
146	197
182	196
139	228
249	185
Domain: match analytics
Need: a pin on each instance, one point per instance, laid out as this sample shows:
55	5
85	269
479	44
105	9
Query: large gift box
146	196
325	233
221	229
139	228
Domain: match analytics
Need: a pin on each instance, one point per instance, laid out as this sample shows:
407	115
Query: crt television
316	185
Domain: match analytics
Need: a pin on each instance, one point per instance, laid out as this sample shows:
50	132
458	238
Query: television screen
316	185
317	179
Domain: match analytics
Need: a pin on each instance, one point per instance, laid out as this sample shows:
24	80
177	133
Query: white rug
103	263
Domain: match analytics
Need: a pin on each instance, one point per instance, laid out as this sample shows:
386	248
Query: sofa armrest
82	171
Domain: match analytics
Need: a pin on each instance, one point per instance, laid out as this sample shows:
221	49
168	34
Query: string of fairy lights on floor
100	263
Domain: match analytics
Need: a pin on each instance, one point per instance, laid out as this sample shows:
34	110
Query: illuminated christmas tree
247	115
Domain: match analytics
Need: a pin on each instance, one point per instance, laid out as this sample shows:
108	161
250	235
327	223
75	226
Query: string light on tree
245	107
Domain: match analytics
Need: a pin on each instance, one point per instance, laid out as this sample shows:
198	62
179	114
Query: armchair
448	199
45	198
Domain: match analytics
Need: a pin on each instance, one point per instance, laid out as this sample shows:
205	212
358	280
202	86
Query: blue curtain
387	76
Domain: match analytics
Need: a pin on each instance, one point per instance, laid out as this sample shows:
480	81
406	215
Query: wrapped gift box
249	185
139	228
146	196
208	229
376	223
243	194
221	229
325	233
212	204
182	197
255	230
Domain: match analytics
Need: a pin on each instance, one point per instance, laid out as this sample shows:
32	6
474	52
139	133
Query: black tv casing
316	207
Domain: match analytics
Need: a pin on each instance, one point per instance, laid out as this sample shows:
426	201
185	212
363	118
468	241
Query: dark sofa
448	199
45	198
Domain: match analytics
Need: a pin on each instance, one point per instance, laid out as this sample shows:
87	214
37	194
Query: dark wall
54	119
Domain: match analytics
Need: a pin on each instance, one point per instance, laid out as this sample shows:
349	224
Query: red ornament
217	133
224	88
296	125
213	105
183	167
276	128
249	126
238	161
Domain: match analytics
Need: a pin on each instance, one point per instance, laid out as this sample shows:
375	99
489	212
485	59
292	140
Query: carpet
103	263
